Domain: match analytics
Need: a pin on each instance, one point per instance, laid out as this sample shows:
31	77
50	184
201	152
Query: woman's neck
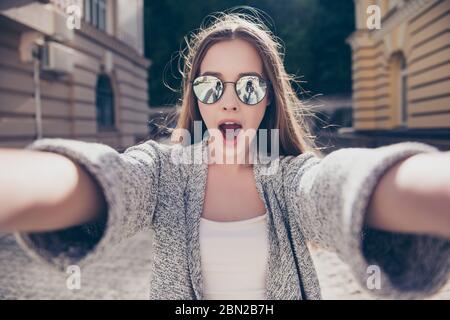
231	168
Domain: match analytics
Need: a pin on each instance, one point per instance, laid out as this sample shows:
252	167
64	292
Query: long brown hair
285	111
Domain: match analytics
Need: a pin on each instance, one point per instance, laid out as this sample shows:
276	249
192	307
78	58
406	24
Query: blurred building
72	69
401	71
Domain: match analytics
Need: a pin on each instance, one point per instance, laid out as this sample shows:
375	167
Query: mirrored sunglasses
250	90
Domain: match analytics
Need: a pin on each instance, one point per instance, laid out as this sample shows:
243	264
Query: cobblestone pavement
127	274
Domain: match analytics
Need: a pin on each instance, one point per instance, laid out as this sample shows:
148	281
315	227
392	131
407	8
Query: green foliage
313	33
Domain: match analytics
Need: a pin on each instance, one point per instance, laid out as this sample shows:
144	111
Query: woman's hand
414	196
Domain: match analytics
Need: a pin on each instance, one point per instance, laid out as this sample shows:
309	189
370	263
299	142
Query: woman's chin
229	152
230	144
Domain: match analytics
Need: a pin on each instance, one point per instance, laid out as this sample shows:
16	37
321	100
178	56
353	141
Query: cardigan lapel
194	208
282	274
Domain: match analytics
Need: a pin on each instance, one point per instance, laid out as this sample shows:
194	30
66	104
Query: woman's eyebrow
218	74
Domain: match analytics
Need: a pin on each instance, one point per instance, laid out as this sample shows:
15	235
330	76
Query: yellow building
401	71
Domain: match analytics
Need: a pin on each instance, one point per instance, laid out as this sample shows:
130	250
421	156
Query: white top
233	258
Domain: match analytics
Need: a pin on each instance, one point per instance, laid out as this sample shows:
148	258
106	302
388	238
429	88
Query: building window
95	13
404	90
104	102
399	74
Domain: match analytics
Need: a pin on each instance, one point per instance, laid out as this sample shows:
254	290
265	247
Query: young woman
234	228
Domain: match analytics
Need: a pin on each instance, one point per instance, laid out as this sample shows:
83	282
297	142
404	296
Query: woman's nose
233	107
230	100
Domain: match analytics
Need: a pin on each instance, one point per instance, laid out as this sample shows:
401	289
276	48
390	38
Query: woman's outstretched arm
61	215
414	196
384	208
43	191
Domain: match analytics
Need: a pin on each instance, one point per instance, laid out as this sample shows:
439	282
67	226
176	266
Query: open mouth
230	131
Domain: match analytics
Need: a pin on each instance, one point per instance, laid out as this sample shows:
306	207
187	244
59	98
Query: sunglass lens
251	90
208	89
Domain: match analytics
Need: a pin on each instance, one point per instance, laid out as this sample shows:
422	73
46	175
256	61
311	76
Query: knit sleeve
129	182
328	198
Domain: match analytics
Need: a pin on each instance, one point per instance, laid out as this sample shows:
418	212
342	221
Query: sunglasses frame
235	88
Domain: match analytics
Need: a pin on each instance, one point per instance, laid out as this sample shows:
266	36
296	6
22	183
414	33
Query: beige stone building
401	71
72	69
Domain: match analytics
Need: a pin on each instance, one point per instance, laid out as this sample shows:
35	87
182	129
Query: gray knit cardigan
308	199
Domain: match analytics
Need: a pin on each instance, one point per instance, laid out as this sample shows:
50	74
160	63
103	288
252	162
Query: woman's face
229	60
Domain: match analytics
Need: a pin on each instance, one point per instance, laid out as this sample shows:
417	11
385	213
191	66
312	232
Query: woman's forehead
231	58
